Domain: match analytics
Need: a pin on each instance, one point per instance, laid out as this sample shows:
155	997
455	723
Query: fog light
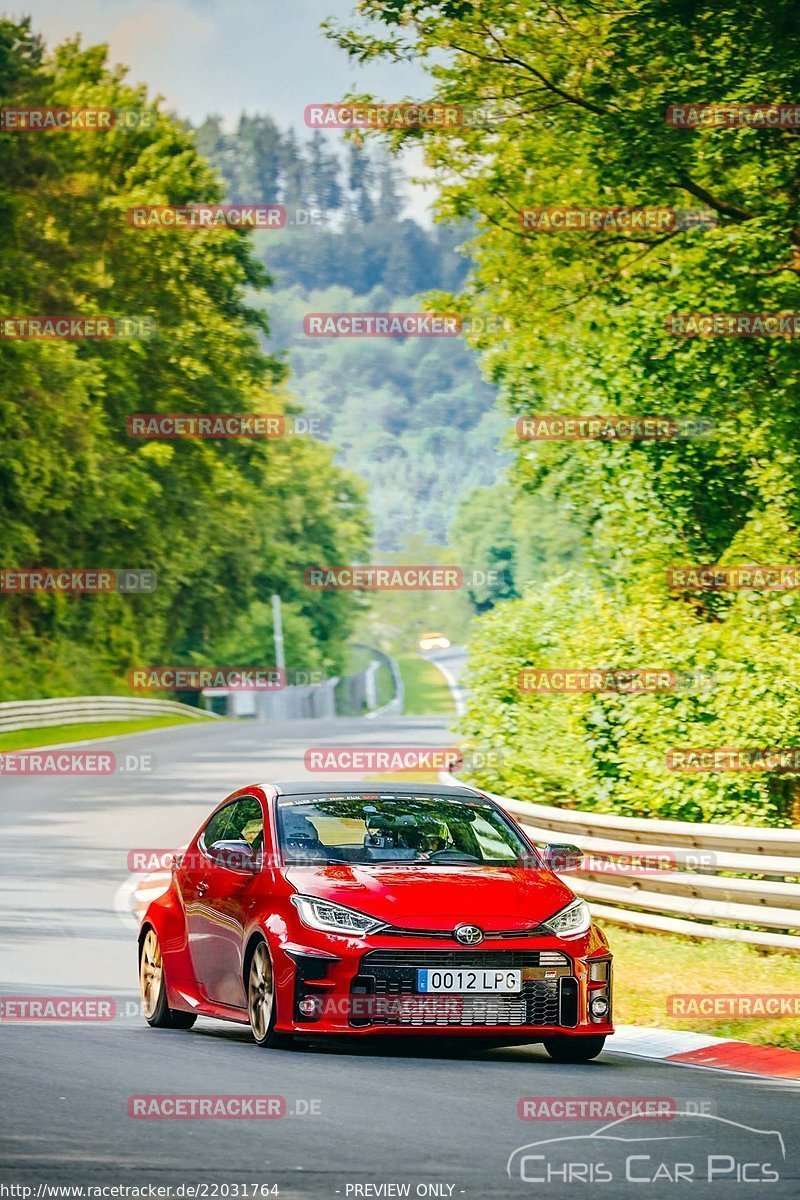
308	1006
598	1006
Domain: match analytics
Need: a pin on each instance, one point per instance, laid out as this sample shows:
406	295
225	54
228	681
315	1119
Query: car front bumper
368	986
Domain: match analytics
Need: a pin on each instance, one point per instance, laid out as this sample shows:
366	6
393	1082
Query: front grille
391	977
539	1008
538	931
466	959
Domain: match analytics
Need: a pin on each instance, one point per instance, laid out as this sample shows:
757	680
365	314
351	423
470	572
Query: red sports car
363	909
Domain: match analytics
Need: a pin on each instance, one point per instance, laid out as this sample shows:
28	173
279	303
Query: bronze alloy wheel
260	993
153	988
151	974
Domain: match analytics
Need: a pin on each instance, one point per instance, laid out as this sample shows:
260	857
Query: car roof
328	787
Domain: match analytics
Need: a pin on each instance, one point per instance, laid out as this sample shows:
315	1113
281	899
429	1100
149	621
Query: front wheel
153	988
574	1049
261	1007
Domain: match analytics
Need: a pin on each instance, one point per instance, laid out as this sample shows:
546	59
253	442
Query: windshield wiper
320	862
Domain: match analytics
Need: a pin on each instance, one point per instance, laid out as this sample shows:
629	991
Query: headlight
333	918
572	920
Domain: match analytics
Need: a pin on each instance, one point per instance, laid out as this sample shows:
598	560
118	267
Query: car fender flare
166	916
283	975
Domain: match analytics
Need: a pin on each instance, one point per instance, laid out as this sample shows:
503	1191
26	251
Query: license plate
469	981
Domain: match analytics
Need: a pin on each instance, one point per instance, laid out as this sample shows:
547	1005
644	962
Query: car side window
215	830
234	837
247	822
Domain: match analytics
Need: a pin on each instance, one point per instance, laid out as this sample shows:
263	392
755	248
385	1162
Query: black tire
153	988
574	1049
261	1006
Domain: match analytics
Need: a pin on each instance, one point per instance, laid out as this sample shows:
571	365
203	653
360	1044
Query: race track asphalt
363	1120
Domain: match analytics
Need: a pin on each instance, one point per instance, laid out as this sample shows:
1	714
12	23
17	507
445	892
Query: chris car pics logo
693	1147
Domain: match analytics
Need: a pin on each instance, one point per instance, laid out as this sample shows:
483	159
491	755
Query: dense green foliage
515	538
412	416
579	95
223	523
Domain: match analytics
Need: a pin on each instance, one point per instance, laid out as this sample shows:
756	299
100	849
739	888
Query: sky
213	56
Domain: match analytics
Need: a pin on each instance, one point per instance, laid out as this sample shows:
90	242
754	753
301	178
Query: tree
324	168
359	182
294	173
259	156
221	523
575	101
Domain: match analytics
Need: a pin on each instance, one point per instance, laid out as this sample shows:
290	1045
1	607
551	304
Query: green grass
356	659
384	683
650	967
26	739
426	690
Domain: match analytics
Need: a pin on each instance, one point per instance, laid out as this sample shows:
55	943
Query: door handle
202	888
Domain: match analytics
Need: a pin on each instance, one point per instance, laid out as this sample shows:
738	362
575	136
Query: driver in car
425	838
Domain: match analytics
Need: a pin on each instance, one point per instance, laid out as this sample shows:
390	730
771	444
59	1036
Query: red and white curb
136	893
684	1048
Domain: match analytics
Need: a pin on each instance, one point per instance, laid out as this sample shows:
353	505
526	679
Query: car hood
428	897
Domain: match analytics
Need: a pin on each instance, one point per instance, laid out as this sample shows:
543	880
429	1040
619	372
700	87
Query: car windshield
386	827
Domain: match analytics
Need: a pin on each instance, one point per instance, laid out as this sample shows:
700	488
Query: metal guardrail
396	705
719	877
74	710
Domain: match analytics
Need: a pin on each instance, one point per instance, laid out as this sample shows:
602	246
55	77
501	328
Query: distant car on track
306	909
433	641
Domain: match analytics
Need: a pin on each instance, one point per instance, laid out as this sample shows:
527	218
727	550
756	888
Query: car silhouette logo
690	1128
468	935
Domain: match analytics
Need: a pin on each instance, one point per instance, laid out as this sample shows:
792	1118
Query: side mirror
236	855
563	858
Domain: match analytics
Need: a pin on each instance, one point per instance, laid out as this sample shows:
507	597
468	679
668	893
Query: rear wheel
261	1007
574	1049
153	988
